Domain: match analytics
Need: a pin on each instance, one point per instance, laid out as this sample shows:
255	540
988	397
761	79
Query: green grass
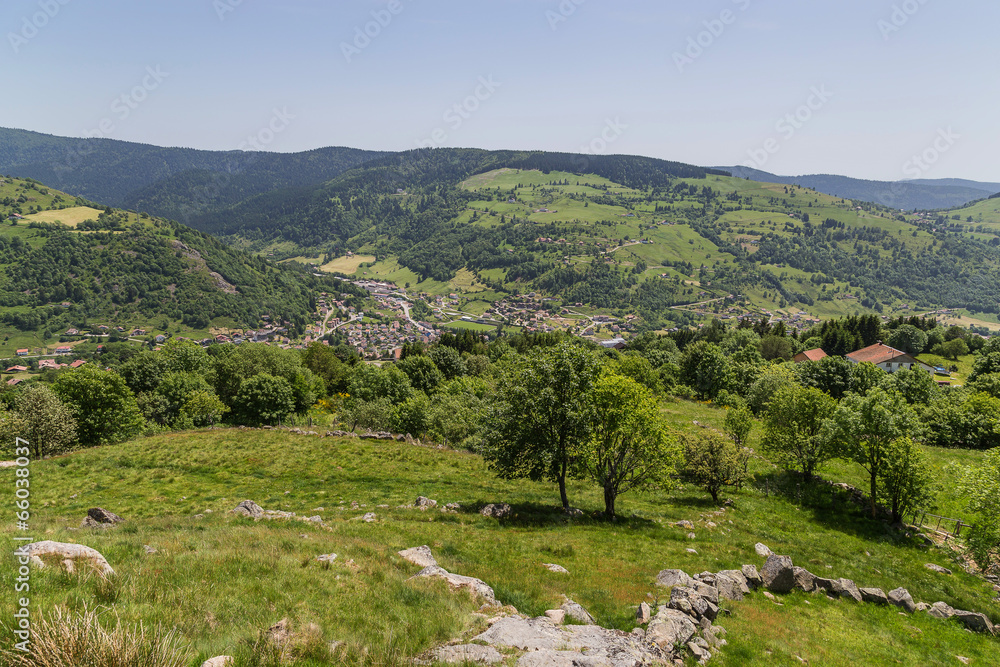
220	579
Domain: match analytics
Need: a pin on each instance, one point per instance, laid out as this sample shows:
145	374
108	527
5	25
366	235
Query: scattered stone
874	595
465	653
424	503
70	552
702	655
754	580
250	509
552	567
89	522
692	551
668	578
670	627
327	558
452	507
103	516
496	510
218	661
456	581
769	596
975	621
644	614
941	610
762	550
691	536
732	584
419	556
557	616
937	568
778	574
900	597
148	549
369	517
573	511
684	523
962	659
710	524
577	612
846	588
692	603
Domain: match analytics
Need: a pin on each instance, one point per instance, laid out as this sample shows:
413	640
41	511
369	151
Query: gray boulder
778	575
218	661
419	556
68	553
754	580
424	503
762	550
804	579
644	614
577	612
668	578
975	621
103	516
901	597
457	581
250	509
496	510
465	653
846	588
732	585
874	595
941	610
937	568
670	627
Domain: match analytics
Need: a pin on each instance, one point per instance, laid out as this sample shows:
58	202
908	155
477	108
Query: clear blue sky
890	90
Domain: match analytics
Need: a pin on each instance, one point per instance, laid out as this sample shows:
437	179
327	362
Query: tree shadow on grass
832	507
539	515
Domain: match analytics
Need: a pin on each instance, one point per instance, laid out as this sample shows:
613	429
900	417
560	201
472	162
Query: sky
878	89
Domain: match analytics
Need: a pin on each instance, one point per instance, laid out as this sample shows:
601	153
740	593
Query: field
70	217
219	579
347	265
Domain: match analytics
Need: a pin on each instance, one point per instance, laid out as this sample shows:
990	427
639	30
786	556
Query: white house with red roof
887	358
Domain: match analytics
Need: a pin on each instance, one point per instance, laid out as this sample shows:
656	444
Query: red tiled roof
811	355
878	353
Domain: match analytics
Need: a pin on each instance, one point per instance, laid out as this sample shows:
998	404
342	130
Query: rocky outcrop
668	578
69	553
219	661
100	518
457	581
249	509
778	575
424	503
420	556
496	510
874	595
901	597
463	654
577	612
552	567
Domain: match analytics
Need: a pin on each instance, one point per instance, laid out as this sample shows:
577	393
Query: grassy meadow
219	580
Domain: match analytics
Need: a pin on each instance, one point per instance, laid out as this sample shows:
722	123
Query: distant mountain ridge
924	194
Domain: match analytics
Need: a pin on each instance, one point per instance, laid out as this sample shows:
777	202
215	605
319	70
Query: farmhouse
809	355
22	352
887	358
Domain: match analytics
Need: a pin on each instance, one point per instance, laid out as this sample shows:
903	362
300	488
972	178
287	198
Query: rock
691	602
937	568
573	511
557	616
707	591
692	551
327	558
104	516
644	613
710	524
804	579
465	653
923	606
769	596
218	661
684	523
496	510
731	585
975	621
754	580
424	503
670	627
71	552
419	556
900	597
457	581
846	588
692	536
89	522
280	632
148	549
548	645
369	517
668	578
248	508
873	595
552	567
452	507
577	612
762	550
962	659
778	574
702	655
941	610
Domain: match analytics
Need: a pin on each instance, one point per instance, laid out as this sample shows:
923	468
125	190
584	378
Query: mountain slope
904	195
171	182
